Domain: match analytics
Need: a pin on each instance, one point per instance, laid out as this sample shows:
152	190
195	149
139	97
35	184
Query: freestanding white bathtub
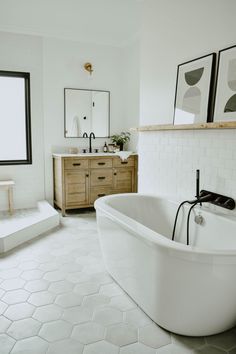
189	290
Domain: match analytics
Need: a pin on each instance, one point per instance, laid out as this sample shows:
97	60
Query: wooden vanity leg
63	212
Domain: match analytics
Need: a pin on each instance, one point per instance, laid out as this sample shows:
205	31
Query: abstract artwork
225	103
194	88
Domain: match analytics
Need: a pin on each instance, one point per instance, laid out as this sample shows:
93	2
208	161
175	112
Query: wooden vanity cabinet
79	181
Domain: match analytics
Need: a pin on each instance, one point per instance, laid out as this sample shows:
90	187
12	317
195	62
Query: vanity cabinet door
123	180
76	187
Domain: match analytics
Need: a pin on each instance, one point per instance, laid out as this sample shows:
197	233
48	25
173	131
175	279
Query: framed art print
194	90
225	102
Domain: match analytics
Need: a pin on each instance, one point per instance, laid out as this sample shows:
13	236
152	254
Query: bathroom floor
56	297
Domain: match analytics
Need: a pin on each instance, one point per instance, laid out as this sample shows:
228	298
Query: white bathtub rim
137	228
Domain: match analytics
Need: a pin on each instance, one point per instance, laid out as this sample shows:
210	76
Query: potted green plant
120	139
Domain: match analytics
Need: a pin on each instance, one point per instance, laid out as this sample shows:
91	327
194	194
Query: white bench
8	186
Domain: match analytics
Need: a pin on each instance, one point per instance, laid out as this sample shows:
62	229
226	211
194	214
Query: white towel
124	154
74	129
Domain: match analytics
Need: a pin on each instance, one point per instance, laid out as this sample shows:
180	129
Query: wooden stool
8	186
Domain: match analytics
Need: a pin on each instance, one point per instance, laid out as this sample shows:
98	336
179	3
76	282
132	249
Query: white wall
55	64
130	89
24	53
174	32
63	67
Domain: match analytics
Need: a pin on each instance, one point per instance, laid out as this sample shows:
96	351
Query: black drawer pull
124	162
101	163
101	177
115	174
101	195
87	175
76	164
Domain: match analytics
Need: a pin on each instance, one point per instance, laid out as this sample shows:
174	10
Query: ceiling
109	22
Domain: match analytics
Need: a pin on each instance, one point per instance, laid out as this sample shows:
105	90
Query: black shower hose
188	218
176	218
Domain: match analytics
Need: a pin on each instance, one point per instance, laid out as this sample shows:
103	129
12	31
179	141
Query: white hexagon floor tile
28	265
60	287
96	301
24	328
3	307
7	343
41	298
69	346
55	275
32	345
48	313
101	347
111	290
86	288
36	285
154	336
4	324
10	273
15	296
224	341
136	317
123	302
19	311
78	314
137	348
56	330
88	332
12	284
107	316
34	274
69	300
122	334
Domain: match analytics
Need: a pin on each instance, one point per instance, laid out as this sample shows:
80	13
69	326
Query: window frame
26	77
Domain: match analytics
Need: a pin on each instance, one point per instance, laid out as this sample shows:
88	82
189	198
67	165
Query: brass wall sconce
88	67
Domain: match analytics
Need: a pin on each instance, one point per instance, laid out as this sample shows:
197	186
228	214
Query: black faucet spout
91	135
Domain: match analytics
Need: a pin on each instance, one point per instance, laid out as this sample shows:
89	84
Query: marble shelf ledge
199	126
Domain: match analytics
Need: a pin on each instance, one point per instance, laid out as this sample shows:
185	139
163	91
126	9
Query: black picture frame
210	89
219	85
109	112
26	77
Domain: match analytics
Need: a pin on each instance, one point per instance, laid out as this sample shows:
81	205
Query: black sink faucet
85	135
91	135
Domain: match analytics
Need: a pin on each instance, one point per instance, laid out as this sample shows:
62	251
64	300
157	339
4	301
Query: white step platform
25	224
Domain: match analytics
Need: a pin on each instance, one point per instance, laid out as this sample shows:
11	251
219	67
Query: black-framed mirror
15	127
86	111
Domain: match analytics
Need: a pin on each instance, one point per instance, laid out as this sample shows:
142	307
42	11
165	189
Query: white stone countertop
88	154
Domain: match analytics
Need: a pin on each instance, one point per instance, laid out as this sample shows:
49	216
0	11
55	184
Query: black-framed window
15	129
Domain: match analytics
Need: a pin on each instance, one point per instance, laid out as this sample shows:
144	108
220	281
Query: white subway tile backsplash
168	160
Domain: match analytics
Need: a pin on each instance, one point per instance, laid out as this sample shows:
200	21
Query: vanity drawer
101	177
117	162
99	192
75	164
100	163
